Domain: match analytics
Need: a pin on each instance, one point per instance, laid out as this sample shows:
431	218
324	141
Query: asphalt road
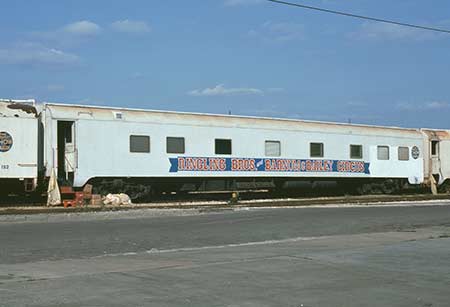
363	256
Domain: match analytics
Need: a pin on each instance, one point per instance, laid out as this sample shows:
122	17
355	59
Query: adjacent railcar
437	158
19	147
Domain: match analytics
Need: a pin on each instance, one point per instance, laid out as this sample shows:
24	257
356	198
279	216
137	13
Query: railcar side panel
103	150
18	148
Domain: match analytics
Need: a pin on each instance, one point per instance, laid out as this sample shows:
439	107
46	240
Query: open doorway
66	151
435	160
435	148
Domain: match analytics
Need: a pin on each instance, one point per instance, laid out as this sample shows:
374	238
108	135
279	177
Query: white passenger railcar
141	152
152	149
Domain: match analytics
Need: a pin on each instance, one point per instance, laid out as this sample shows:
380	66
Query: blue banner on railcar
212	164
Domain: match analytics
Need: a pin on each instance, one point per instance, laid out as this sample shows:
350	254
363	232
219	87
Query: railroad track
223	203
223	196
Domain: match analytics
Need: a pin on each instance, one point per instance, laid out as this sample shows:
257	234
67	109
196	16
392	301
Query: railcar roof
222	116
19	108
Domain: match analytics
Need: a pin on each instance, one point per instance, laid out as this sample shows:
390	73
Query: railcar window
403	153
316	150
434	148
175	145
140	143
356	151
273	148
383	152
223	147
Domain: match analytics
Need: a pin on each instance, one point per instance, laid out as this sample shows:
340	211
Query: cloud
278	32
241	2
70	35
437	105
428	106
221	90
377	31
131	26
32	54
83	27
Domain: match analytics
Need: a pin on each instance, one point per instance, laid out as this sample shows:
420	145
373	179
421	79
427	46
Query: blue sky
248	56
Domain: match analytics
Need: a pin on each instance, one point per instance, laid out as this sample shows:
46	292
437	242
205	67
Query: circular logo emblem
6	141
415	152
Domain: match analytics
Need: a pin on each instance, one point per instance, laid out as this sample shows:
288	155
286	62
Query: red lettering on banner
308	165
181	165
303	166
270	165
222	164
234	164
199	164
188	164
193	164
351	166
330	165
243	165
213	164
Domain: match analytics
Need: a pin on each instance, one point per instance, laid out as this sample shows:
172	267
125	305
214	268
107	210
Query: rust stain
23	107
438	134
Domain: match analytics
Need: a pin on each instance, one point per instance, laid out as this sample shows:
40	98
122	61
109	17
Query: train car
140	152
437	159
20	159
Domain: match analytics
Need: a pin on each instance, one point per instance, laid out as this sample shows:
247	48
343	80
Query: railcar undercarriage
146	189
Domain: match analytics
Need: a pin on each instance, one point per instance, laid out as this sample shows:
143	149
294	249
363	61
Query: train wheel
137	192
389	186
444	188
